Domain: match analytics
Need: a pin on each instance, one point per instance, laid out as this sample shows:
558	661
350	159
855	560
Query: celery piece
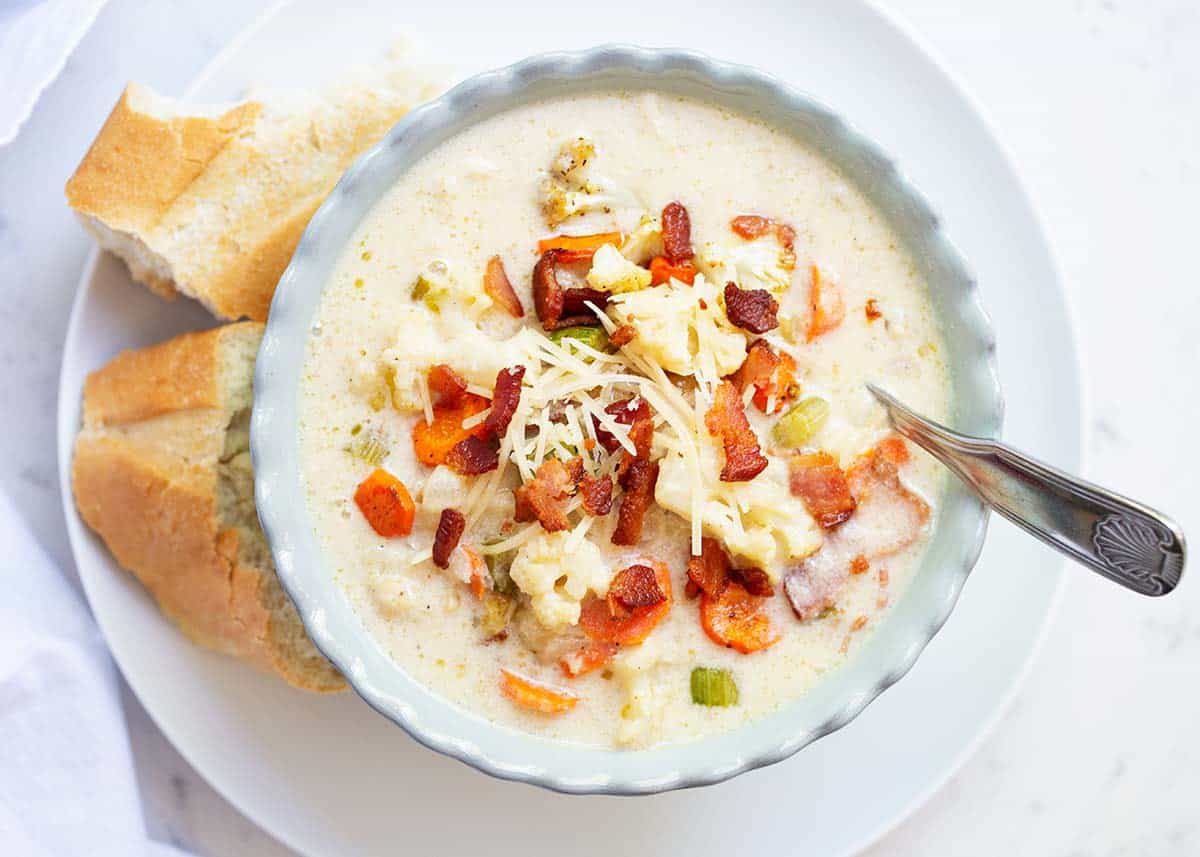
712	686
592	336
498	565
801	422
370	447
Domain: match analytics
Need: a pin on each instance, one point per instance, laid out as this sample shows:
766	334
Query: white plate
329	776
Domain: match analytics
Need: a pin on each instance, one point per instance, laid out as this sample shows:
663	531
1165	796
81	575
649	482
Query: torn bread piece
211	201
162	473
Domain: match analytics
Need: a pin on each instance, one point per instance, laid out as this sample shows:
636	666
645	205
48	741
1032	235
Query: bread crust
212	205
146	476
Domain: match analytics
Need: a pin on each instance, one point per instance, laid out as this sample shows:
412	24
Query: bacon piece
634	587
534	695
446	387
709	572
623	335
472	456
578	248
607	620
735	619
662	271
755	580
587	658
726	419
889	516
386	504
812	588
751	309
499	288
825	305
750	226
640	479
872	310
894	450
449	530
817	480
557	307
541	498
770	373
628	412
859	565
506	395
597	494
676	233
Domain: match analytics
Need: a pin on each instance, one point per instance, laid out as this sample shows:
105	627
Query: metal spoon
1114	536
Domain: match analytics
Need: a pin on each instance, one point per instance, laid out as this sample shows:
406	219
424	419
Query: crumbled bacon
726	419
449	530
639	484
817	480
751	309
506	395
676	233
755	580
497	286
446	387
557	307
634	411
770	373
709	572
812	589
472	456
872	310
859	565
597	492
634	587
750	226
825	305
541	498
623	335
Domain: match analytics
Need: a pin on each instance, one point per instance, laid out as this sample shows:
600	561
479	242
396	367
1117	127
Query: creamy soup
584	430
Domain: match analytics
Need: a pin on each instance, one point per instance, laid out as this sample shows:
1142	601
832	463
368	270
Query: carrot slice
432	442
606	620
825	305
661	270
734	618
587	659
386	504
578	248
534	695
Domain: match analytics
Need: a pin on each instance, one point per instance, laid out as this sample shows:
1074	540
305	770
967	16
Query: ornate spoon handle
1120	539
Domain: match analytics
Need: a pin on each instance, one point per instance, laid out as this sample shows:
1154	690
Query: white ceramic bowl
328	615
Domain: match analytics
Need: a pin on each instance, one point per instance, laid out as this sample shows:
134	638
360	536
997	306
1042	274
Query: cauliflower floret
681	328
611	272
764	263
573	187
643	673
425	339
644	242
556	572
759	520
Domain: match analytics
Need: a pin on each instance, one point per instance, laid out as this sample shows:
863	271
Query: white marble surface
1099	101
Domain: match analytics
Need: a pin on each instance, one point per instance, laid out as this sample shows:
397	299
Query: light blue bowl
330	619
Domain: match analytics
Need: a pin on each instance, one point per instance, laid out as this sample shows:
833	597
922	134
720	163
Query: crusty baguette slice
162	472
211	201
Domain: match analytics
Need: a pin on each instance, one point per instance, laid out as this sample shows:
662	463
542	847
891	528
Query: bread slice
211	201
162	473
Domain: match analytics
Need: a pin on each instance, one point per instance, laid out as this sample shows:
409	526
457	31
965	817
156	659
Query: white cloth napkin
36	37
66	775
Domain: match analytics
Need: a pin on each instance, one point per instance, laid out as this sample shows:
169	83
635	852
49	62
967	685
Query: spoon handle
1116	537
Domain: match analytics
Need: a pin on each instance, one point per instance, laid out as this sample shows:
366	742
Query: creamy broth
483	193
